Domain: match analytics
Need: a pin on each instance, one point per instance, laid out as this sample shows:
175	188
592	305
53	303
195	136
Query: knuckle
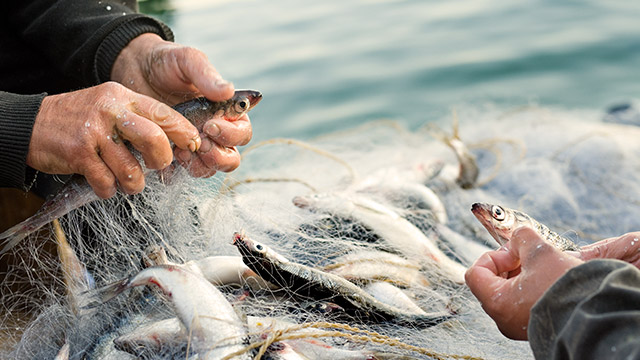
157	138
634	236
191	52
160	112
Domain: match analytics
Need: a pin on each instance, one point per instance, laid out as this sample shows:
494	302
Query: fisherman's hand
625	248
509	281
82	131
173	73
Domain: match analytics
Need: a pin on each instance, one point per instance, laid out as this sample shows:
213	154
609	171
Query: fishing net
566	169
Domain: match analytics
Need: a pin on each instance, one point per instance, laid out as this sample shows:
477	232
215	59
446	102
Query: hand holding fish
82	131
509	281
173	73
625	248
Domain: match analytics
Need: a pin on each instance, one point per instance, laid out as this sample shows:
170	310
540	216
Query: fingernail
183	156
222	82
211	129
195	143
206	146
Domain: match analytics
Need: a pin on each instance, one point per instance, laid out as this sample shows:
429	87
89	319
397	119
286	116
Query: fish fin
105	293
12	237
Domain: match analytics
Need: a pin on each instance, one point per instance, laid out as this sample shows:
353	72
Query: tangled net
566	169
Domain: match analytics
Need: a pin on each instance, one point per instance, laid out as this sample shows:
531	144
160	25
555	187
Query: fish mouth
475	207
239	239
254	97
482	212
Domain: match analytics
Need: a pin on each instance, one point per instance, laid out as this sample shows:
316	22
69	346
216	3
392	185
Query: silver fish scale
547	234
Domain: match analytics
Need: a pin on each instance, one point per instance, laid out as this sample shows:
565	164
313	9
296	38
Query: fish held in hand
501	222
77	192
200	110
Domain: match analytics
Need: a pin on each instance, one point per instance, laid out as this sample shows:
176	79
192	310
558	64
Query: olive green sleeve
592	312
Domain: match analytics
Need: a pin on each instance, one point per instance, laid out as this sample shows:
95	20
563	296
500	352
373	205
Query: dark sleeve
78	41
592	312
17	114
81	38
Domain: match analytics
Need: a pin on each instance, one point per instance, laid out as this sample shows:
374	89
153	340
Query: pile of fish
367	266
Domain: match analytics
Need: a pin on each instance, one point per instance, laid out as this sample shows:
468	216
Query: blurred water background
328	65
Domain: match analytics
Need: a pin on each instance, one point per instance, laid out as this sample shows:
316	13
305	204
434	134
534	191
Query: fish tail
12	237
106	293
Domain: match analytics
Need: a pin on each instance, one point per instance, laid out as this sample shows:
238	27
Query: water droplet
125	123
87	124
539	246
524	328
124	13
118	117
613	349
133	123
519	286
129	176
499	294
131	81
108	137
108	8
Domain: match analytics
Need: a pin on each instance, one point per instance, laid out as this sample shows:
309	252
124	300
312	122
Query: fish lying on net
501	223
311	283
213	326
77	192
395	230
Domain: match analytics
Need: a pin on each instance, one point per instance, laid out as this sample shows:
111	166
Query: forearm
17	115
592	312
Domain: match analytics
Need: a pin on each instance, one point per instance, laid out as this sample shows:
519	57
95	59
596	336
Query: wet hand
173	73
625	248
509	281
83	131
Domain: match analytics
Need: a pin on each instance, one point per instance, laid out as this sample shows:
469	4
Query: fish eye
242	105
259	247
497	212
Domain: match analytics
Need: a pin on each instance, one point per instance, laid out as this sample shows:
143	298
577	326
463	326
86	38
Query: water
328	65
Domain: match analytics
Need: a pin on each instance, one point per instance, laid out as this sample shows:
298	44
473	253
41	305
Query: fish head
257	256
241	102
500	222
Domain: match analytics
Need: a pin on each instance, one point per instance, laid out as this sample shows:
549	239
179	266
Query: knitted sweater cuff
17	115
131	27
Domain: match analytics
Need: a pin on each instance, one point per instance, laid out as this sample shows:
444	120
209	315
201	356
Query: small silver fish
501	222
395	230
218	270
307	282
469	171
77	192
214	327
